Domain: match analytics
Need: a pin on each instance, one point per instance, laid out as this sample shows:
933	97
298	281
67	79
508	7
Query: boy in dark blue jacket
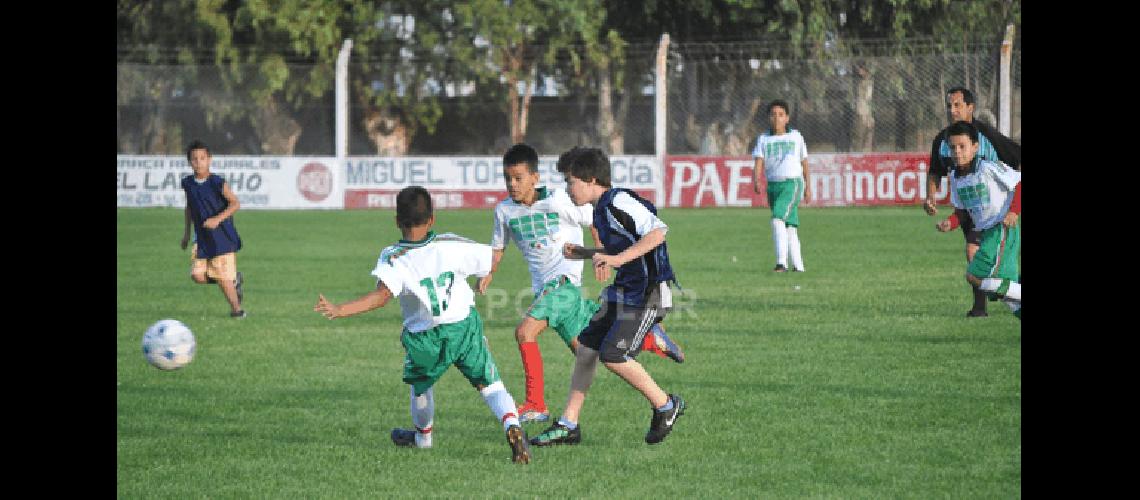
634	244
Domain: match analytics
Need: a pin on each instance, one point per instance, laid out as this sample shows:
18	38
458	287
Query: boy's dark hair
781	103
413	207
967	96
196	145
963	128
589	164
565	159
521	153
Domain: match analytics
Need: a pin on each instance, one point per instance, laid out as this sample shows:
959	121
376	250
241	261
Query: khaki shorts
221	267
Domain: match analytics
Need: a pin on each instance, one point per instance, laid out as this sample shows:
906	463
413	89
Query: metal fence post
660	108
342	101
1005	92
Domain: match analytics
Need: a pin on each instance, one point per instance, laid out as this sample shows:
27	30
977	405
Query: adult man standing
992	145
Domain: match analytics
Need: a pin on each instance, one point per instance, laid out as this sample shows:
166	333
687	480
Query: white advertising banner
257	181
471	181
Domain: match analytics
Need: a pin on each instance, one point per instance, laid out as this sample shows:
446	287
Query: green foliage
866	382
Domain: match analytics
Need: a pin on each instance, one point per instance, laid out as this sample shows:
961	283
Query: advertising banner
470	181
257	181
838	179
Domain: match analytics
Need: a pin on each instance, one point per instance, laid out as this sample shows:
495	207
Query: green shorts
429	353
560	303
997	254
784	198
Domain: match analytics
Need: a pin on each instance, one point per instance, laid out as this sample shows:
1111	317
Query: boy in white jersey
781	156
428	272
991	192
541	221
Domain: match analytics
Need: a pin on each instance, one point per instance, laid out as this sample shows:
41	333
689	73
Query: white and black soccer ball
169	344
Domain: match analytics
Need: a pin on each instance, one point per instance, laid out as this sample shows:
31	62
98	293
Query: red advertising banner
855	179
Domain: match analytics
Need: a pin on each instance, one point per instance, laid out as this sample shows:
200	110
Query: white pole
342	100
660	91
1006	92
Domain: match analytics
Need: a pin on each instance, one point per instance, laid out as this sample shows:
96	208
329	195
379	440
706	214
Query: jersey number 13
443	282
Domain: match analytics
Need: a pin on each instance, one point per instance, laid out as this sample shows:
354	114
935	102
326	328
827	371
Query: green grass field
867	381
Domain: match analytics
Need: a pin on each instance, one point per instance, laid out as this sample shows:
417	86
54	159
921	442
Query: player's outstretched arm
642	247
485	281
577	252
367	302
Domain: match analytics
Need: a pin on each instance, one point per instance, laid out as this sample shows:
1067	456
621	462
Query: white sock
780	238
794	248
992	284
423	412
501	403
1014	305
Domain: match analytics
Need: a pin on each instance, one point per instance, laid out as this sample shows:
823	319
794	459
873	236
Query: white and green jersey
430	277
783	154
540	231
985	192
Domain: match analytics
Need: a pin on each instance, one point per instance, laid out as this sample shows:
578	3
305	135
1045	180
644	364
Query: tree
276	57
406	55
515	37
157	51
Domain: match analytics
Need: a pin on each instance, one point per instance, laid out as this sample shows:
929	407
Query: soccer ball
169	344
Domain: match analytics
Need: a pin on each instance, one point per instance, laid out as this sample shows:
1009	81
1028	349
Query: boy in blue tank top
210	205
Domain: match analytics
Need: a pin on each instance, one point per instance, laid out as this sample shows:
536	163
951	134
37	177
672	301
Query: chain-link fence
874	97
868	100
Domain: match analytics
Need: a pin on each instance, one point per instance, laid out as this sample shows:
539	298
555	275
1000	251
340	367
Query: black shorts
616	331
968	232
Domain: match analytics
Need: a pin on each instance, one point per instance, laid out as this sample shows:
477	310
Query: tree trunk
524	114
388	131
154	130
277	130
863	132
628	91
607	129
745	131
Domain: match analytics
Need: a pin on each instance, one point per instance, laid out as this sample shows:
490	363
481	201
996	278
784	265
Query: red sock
650	344
532	367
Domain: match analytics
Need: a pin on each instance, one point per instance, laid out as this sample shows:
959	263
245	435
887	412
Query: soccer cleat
558	434
520	449
780	268
237	286
663	421
406	437
976	313
529	412
239	315
797	270
672	350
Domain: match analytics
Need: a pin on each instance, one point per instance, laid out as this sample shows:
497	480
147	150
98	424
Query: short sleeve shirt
540	231
429	277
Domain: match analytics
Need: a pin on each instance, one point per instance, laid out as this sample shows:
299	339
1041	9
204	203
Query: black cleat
520	450
976	313
406	437
239	315
558	434
780	268
663	421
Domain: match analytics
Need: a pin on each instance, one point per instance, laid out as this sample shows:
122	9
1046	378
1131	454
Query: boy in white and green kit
781	157
991	192
428	272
